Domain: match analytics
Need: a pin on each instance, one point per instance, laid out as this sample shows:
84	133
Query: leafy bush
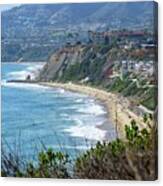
50	165
149	100
71	73
130	90
104	49
118	85
133	159
150	103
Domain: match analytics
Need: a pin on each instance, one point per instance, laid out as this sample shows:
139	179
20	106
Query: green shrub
149	100
118	85
104	49
133	159
50	165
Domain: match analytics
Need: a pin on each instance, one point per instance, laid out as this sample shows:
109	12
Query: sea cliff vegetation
108	67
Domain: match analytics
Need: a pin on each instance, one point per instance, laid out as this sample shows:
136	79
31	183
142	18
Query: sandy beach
117	107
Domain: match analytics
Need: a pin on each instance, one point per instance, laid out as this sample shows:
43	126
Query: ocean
35	117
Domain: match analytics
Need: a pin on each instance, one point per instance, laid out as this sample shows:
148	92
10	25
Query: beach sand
117	106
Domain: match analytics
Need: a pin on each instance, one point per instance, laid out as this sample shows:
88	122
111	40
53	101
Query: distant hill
28	30
60	15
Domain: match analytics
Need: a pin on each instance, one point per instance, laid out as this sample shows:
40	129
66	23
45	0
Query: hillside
101	65
127	14
34	32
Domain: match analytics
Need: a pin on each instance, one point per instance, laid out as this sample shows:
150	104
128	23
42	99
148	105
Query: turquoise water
36	117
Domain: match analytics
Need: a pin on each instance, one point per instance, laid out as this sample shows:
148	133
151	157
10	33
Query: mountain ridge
33	32
78	12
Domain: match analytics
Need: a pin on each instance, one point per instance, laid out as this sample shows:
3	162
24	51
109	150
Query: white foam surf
85	131
20	75
93	109
30	69
78	147
27	86
79	100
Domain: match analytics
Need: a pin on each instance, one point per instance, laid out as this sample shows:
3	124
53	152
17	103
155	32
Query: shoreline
117	107
23	62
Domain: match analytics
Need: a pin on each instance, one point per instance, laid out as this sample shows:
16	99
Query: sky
7	7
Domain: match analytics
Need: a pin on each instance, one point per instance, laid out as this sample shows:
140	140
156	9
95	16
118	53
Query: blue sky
7	7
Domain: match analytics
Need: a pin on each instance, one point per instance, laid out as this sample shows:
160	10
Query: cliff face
59	62
91	63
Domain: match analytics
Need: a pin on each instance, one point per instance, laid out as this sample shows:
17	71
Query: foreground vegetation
132	159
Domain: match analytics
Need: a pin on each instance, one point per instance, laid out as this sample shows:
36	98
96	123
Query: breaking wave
93	109
86	131
30	69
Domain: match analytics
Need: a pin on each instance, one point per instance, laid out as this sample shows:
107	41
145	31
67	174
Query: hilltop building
125	38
